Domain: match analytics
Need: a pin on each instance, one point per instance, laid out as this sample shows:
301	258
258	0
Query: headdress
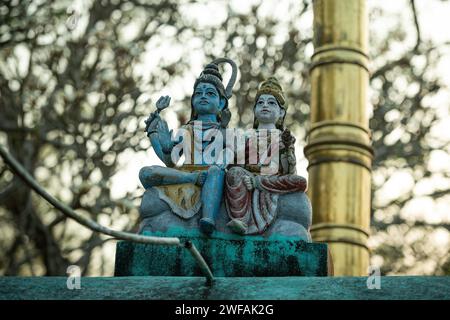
272	87
212	75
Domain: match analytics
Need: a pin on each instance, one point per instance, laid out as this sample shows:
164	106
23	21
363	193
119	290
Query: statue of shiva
209	112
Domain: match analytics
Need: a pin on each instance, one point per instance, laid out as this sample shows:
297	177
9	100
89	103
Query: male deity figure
209	110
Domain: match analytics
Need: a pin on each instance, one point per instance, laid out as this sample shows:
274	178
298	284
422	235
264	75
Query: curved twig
416	23
66	210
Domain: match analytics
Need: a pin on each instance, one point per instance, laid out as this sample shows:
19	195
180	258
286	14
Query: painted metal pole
339	146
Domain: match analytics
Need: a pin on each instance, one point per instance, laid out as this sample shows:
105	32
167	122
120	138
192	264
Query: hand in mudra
162	103
153	123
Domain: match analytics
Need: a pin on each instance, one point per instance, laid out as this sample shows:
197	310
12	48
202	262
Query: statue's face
267	109
206	99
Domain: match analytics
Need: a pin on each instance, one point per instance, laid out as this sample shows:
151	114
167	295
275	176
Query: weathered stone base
227	256
194	288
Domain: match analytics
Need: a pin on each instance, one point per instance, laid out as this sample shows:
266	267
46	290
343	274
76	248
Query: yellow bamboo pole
339	147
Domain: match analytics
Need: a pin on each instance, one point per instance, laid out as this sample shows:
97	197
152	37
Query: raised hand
165	136
153	121
162	103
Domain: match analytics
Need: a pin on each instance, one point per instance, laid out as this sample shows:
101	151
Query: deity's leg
238	199
158	176
212	192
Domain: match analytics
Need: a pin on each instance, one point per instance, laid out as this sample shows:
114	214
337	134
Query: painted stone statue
251	198
182	188
213	193
235	195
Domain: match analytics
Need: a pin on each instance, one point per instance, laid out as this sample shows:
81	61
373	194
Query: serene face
206	99
267	110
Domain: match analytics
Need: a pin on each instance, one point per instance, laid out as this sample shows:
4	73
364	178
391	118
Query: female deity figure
183	188
251	197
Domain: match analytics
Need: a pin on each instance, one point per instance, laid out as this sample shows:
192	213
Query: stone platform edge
246	288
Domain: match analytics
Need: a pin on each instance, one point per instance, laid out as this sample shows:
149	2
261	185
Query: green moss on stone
227	255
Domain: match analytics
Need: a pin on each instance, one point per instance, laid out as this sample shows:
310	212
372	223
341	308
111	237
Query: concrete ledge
193	288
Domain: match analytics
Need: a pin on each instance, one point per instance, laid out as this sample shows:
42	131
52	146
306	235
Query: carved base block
227	255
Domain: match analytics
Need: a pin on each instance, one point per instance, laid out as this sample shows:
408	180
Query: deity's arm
160	138
157	147
159	134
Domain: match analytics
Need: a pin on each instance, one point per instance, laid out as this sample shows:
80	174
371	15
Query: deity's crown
272	87
212	75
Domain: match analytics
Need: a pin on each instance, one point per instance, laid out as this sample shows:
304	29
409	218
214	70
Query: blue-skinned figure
209	110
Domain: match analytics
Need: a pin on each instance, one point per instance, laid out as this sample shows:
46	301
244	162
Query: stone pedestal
227	255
